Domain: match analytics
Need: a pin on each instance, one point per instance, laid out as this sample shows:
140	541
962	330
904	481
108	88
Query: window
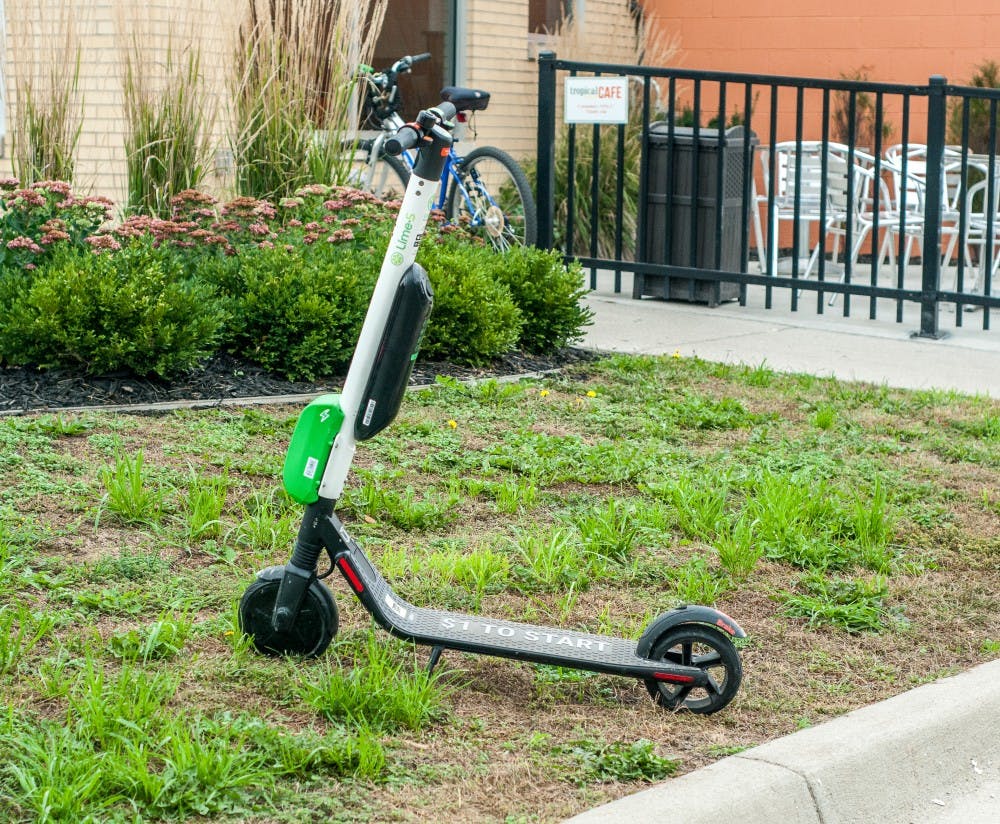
544	16
412	27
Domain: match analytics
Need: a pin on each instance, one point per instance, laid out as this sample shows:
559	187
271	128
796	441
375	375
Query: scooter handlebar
411	134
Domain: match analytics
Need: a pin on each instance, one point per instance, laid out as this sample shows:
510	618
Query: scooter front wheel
310	635
694	645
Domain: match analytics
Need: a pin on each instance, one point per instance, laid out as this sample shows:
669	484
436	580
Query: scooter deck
499	637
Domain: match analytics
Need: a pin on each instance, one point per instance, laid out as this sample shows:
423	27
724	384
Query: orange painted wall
901	41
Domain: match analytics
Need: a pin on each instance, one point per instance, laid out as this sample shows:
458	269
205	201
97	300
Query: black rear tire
310	635
695	645
496	203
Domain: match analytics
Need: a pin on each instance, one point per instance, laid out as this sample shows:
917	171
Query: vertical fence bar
824	177
747	203
963	215
772	225
936	113
849	227
694	186
546	147
876	195
642	210
902	185
986	261
797	196
720	161
620	203
595	194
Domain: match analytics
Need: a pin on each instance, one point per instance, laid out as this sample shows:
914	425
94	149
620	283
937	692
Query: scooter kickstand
435	657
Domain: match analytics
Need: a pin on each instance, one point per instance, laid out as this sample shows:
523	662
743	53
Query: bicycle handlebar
404	64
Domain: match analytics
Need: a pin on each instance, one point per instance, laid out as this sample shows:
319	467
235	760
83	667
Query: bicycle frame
449	174
389	124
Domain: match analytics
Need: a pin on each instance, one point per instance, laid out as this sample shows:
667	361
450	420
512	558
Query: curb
254	400
903	760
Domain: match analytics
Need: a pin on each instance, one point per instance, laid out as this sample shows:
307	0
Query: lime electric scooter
685	657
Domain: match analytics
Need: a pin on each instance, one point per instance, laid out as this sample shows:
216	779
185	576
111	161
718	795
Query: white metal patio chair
798	174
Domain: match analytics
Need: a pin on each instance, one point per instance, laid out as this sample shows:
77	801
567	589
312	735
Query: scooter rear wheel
694	645
310	635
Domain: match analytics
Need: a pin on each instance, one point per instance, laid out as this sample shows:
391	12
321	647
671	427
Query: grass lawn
852	530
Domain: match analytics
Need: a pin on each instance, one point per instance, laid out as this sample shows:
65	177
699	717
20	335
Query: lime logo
396	259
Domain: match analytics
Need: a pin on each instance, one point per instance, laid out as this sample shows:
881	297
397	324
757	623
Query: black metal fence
839	189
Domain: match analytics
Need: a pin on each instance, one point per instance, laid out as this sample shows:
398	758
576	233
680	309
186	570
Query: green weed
609	532
163	639
267	524
621	761
824	417
855	605
202	506
738	548
405	509
989	647
64	427
128	491
695	583
549	561
20	631
130	565
382	690
699	507
513	495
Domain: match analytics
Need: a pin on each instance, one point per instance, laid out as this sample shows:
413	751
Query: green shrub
299	310
987	76
475	318
130	310
548	293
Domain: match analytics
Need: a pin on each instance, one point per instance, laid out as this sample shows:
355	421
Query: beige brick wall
101	26
499	57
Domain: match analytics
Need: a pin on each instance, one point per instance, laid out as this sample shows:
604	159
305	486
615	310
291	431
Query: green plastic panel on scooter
310	447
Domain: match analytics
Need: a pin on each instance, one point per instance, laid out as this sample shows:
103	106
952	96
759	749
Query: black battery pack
396	353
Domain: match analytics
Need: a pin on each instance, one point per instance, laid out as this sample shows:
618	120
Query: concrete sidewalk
880	351
928	756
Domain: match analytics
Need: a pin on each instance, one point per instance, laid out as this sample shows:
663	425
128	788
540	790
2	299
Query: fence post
545	167
930	248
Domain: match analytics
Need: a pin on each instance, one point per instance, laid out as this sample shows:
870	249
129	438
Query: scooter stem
400	256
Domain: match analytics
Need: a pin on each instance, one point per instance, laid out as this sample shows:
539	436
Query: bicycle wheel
386	178
492	197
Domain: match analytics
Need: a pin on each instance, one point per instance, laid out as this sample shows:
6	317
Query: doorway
412	27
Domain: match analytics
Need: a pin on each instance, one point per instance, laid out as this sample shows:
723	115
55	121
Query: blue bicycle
485	190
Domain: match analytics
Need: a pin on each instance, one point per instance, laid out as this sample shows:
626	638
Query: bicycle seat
466	100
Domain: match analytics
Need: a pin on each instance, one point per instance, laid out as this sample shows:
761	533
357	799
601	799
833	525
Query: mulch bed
24	389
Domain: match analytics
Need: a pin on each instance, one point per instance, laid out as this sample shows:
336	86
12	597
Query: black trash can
673	210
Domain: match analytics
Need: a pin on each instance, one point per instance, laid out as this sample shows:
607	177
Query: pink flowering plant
284	283
37	218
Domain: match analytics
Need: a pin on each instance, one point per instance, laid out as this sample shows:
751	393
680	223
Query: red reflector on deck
674	679
350	575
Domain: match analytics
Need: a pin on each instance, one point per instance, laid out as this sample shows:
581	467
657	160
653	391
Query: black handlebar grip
405	138
446	109
420	58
